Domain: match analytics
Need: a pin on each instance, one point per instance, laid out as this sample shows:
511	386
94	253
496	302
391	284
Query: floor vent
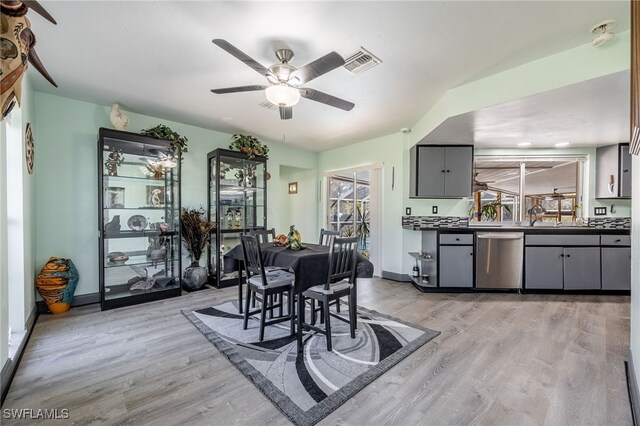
268	105
361	60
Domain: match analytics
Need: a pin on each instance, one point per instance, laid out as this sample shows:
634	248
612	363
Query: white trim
354	169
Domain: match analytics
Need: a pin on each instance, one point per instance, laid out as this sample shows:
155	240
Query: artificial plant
249	145
178	142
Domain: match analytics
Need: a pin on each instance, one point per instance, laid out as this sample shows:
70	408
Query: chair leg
322	313
270	302
327	323
281	308
313	312
291	299
338	305
253	301
246	308
240	294
300	316
352	316
263	315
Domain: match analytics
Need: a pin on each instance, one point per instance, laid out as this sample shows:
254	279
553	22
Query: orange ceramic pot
56	283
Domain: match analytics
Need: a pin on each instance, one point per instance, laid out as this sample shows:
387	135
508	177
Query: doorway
353	209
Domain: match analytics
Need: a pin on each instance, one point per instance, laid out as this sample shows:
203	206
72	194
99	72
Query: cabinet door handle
471	253
562	255
568	255
618	240
442	170
457	239
448	171
625	171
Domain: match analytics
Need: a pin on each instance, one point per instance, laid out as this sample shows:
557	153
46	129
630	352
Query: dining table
309	265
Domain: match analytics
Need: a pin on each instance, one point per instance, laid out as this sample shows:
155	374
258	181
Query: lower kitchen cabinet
456	266
616	268
582	268
543	268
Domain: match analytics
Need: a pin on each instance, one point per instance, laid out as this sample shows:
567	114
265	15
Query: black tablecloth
310	266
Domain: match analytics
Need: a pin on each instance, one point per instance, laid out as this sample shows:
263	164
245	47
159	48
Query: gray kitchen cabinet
441	171
581	268
613	171
456	266
616	268
543	268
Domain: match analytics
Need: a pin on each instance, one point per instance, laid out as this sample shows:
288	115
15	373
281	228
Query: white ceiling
590	113
156	57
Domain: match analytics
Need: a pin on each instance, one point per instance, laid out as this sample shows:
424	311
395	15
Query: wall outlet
407	211
434	209
600	211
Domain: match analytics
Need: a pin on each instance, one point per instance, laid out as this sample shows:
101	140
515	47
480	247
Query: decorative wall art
18	42
114	197
29	148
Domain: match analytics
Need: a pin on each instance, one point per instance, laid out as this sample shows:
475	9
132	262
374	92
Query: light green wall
386	151
66	160
299	209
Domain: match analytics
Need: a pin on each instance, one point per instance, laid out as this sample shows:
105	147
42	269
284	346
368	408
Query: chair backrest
325	236
343	258
264	235
252	255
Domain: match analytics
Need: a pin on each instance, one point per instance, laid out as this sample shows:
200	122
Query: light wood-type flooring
502	359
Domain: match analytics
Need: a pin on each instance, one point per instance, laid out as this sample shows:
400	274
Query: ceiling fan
478	185
284	79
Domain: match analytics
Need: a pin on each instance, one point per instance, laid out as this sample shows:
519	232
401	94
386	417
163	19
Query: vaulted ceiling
156	57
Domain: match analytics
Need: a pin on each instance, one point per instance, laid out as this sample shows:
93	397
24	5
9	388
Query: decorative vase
56	283
195	276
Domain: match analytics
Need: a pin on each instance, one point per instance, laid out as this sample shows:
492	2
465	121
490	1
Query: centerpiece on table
295	239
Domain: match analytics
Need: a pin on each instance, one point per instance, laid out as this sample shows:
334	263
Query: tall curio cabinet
237	200
139	219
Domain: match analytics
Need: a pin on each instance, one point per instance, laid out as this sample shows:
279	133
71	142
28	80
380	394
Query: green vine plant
178	142
249	145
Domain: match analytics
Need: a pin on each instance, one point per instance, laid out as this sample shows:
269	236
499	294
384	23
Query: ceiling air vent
361	60
268	105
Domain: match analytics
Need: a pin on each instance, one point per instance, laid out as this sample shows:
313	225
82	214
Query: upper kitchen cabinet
613	171
439	171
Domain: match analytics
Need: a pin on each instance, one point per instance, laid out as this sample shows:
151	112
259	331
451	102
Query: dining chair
343	258
264	235
325	236
266	284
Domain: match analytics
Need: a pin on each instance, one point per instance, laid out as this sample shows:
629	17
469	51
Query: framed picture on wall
114	197
155	196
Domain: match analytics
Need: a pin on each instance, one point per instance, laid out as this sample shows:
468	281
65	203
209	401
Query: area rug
307	387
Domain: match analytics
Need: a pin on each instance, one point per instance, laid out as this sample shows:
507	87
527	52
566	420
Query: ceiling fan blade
317	68
324	98
286	113
249	61
238	89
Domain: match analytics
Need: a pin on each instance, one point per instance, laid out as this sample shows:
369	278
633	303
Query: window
550	184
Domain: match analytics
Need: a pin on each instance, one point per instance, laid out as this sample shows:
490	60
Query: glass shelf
136	179
131	194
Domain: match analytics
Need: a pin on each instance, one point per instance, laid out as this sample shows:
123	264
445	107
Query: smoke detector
602	32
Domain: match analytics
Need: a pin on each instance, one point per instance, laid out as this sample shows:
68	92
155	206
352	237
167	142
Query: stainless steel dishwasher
499	259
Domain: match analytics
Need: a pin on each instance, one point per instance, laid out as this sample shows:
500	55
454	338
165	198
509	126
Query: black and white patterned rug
307	387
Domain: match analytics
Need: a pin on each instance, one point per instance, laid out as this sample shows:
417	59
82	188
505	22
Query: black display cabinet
237	202
138	219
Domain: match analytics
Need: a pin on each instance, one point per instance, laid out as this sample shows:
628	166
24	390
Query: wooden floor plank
502	359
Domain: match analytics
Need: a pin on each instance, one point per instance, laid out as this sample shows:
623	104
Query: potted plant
488	211
249	145
178	142
196	232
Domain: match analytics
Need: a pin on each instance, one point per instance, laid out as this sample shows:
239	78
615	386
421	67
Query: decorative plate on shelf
137	222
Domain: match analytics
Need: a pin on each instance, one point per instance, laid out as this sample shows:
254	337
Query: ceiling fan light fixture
282	95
